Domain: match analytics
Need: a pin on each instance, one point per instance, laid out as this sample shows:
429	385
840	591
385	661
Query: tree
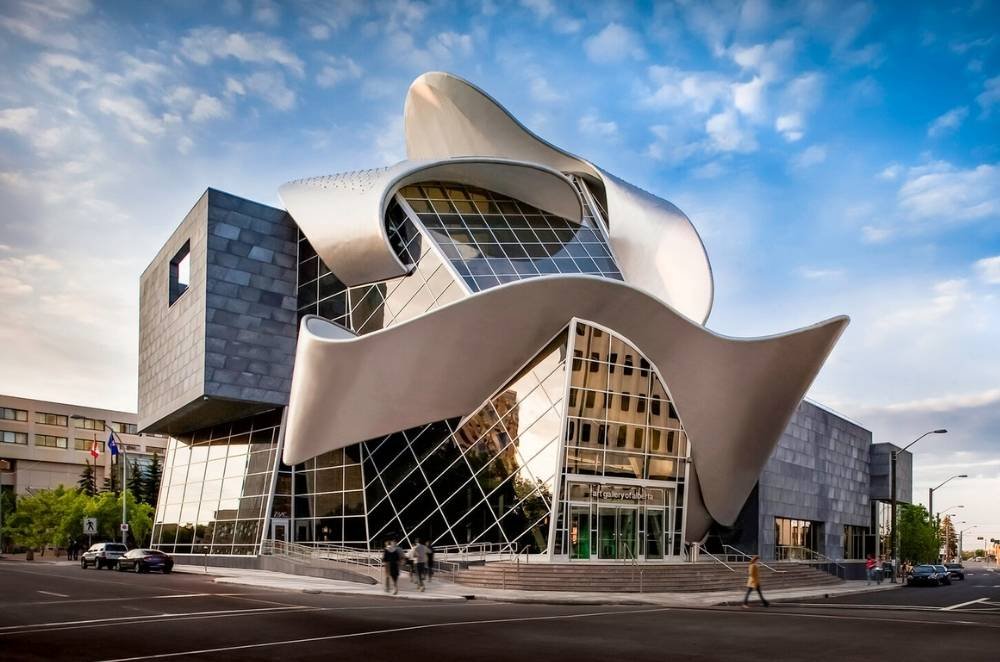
112	483
918	541
136	480
949	538
88	480
151	480
45	518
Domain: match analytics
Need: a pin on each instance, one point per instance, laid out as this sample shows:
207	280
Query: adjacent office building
494	341
47	444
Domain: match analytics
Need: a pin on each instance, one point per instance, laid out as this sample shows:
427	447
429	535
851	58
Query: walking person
390	560
420	560
870	569
753	582
430	560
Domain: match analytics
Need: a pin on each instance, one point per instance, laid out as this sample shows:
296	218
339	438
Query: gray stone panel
819	471
881	469
232	336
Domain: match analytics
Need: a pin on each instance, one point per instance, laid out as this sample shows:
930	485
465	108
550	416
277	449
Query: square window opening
180	272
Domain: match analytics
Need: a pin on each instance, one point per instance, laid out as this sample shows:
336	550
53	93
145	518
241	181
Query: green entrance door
617	532
579	532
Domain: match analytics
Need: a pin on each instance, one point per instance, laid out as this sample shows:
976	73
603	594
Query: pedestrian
420	559
870	569
430	560
390	560
753	582
411	564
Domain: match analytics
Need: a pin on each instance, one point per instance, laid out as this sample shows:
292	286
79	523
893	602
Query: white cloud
270	86
810	156
567	25
947	122
820	274
988	269
18	120
133	112
203	45
541	90
615	43
541	8
727	134
769	61
337	70
448	45
38	32
207	108
674	88
875	235
591	125
234	87
266	13
710	170
990	95
943	193
789	126
891	172
748	98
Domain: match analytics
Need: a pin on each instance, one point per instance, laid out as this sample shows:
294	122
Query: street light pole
960	534
894	530
936	520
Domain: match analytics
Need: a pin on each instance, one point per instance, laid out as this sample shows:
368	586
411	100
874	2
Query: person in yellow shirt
753	582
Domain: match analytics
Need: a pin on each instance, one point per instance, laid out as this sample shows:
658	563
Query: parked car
956	570
928	574
144	560
943	571
103	555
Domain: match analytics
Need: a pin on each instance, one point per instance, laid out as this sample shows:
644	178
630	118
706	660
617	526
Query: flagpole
121	450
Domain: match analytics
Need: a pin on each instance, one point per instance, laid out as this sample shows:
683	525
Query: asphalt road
59	612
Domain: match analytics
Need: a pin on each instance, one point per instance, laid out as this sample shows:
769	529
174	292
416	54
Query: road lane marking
409	628
83	579
58	595
963	604
33	627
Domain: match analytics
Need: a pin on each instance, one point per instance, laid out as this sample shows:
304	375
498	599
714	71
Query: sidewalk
441	590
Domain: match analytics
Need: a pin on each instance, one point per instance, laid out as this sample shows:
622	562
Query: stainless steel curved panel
657	246
735	396
343	215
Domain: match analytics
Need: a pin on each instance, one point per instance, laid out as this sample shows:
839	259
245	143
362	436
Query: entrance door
579	532
617	532
279	529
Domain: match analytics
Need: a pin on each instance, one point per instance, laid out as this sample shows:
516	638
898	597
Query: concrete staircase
618	578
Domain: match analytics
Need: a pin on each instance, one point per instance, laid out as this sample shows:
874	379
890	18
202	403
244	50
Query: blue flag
112	446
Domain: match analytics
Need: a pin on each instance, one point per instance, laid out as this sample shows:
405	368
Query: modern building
493	342
47	444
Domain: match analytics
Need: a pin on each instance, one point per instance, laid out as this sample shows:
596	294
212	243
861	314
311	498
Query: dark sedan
956	570
927	574
144	560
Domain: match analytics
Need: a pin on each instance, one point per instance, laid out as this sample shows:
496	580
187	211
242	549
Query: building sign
623	493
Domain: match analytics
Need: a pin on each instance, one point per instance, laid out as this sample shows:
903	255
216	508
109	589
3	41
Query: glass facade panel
796	539
493	239
213	492
622	431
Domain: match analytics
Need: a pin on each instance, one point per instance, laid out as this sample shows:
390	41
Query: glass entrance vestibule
618	522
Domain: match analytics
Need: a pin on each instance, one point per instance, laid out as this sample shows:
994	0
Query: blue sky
837	157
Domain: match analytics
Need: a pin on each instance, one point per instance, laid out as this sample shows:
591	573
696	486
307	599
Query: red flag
94	451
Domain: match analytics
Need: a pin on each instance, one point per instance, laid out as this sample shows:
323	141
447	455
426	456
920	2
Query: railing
479	549
368	561
702	550
742	557
811	557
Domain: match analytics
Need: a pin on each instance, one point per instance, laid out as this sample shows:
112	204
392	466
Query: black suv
103	555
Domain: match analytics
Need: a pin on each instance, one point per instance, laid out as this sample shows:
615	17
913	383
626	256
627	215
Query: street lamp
124	463
930	497
960	539
894	544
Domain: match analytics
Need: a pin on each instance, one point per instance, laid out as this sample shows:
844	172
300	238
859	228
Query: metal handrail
702	550
816	558
517	556
739	553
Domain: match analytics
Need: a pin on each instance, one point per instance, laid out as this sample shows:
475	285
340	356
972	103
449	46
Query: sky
836	157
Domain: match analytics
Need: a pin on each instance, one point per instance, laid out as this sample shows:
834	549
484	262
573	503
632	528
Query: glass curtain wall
485	478
625	458
492	239
215	488
796	538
